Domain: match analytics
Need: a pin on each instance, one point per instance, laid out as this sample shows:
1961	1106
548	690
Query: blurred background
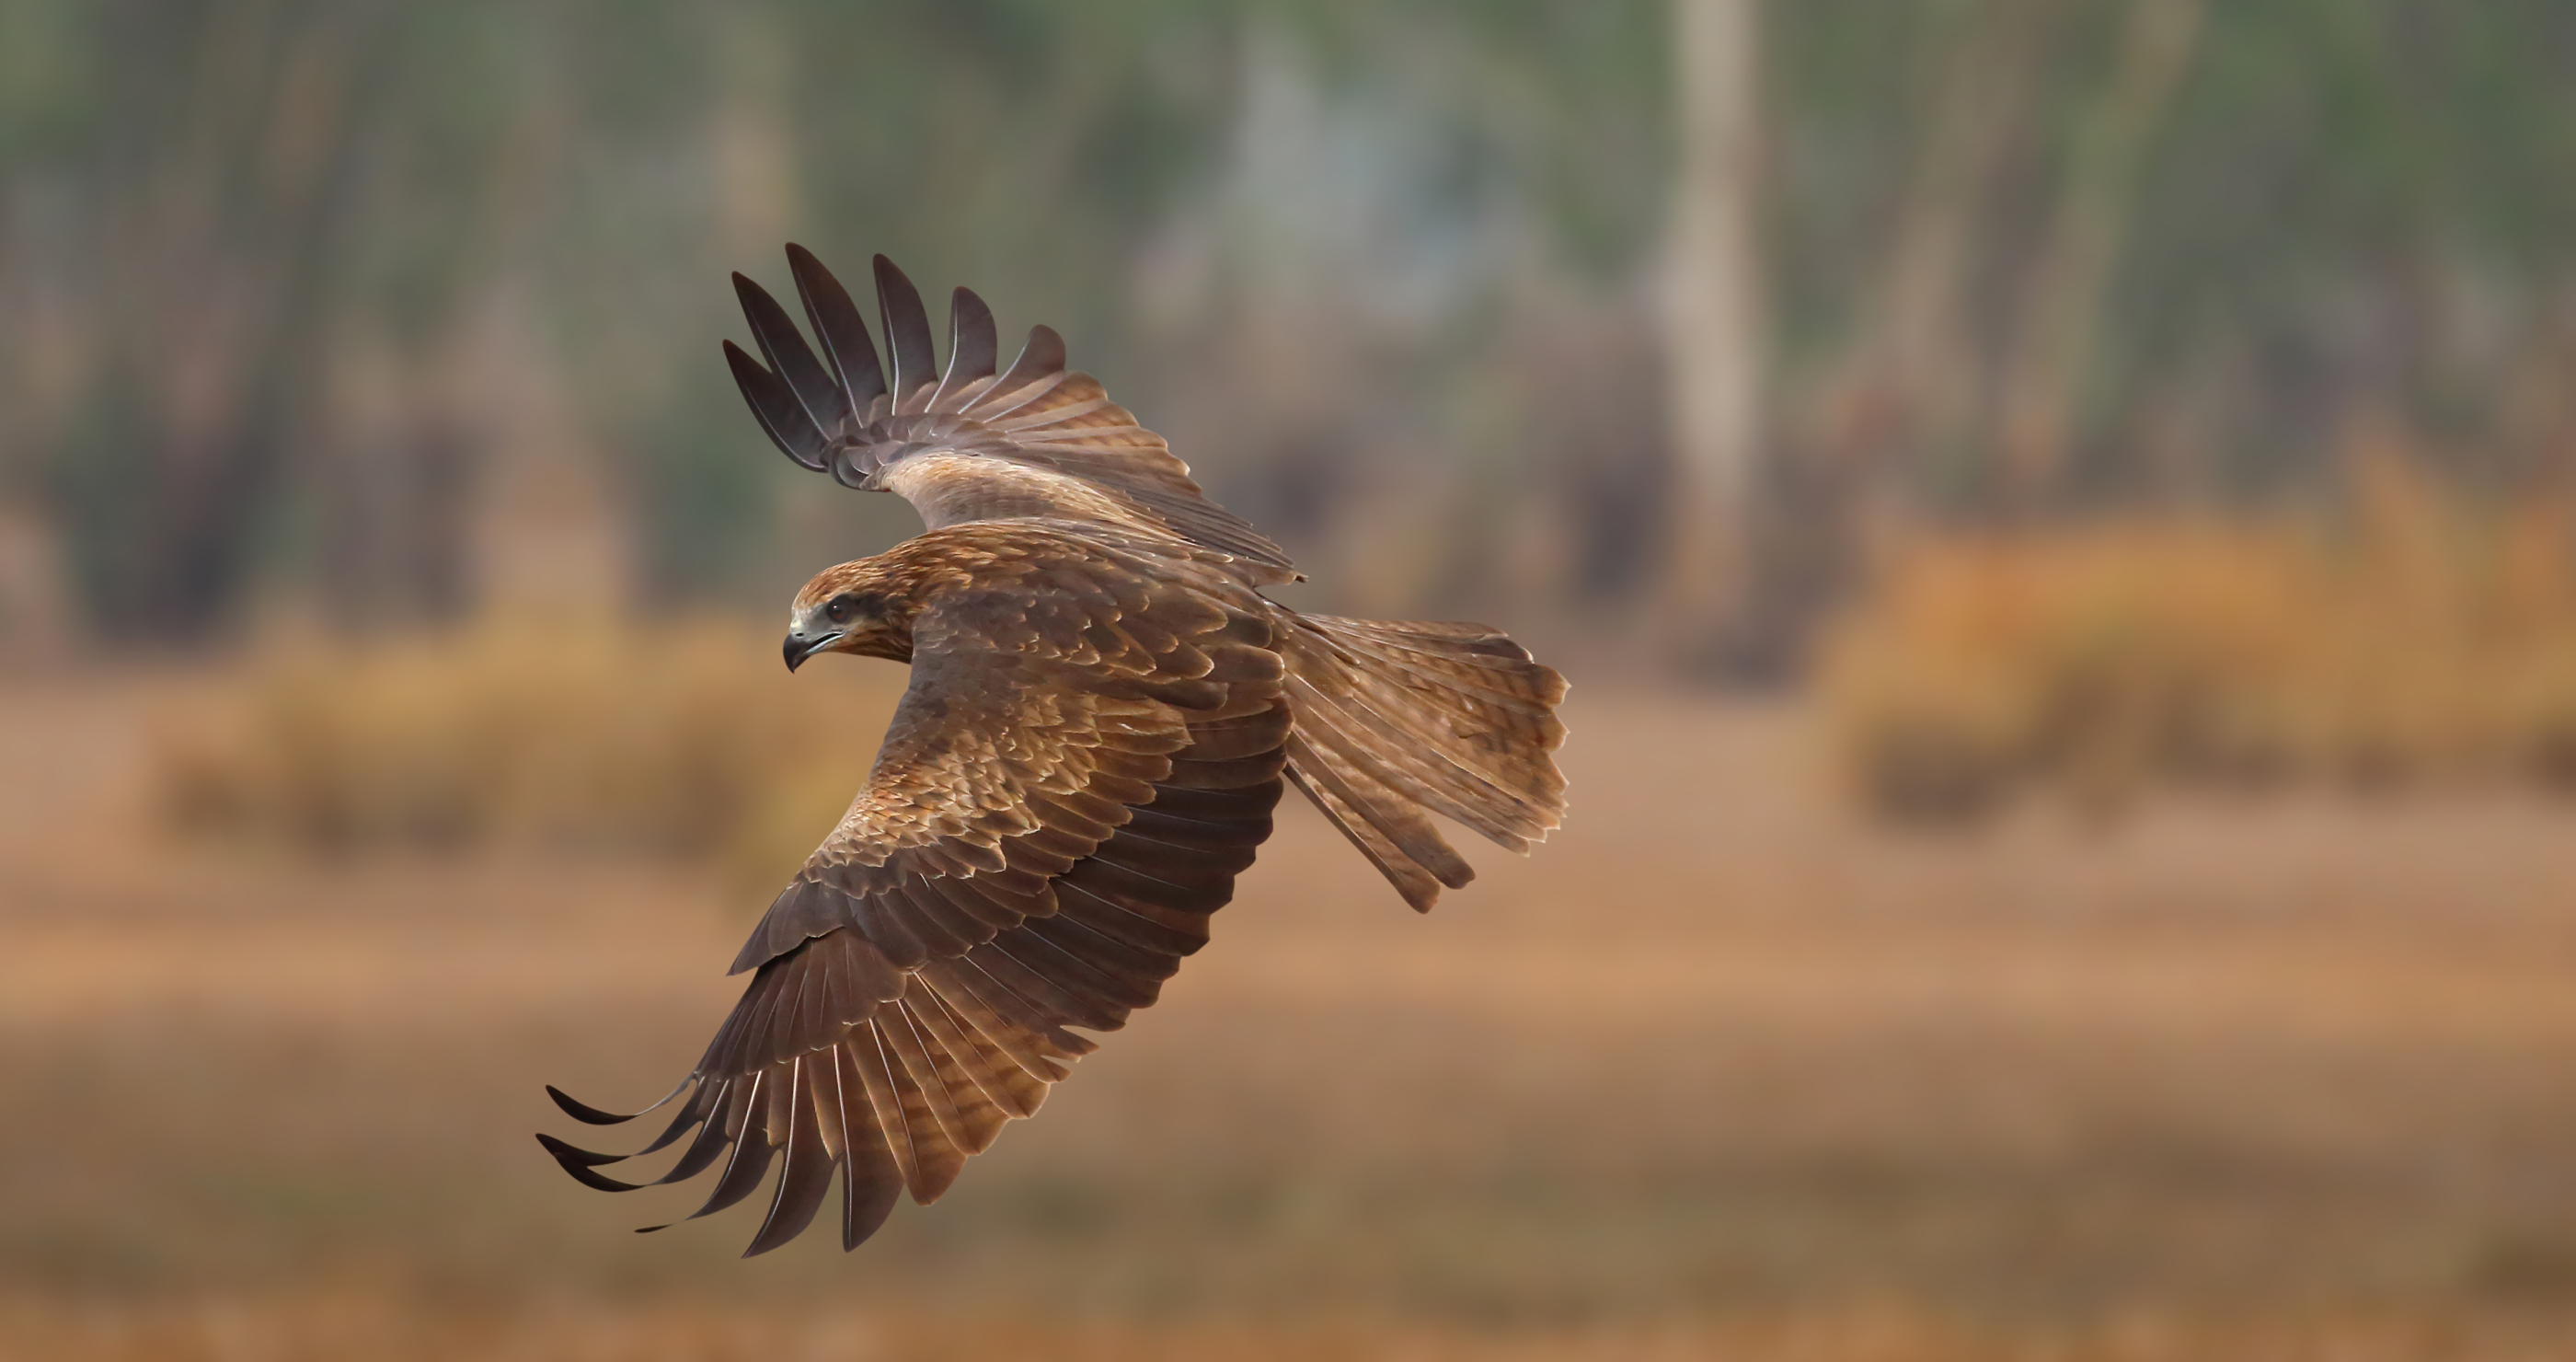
2060	514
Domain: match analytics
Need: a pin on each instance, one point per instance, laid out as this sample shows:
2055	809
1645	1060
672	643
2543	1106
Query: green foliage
2348	205
207	205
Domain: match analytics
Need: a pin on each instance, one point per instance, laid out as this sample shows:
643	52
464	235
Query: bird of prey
1103	711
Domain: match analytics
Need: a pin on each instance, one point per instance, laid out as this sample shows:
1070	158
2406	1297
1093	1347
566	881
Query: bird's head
848	609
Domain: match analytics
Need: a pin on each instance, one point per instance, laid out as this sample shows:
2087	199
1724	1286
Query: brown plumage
1102	713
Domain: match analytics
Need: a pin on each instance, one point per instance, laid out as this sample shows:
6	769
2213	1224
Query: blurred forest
1655	316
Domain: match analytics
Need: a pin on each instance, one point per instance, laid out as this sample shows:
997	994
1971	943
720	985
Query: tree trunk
1905	389
2046	379
1713	319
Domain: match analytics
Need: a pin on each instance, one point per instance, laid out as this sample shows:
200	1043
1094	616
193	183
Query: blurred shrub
686	738
2413	639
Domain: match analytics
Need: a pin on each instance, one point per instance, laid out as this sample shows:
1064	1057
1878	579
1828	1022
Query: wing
1037	440
1083	762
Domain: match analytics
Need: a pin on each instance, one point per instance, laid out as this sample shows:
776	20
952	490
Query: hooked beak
800	647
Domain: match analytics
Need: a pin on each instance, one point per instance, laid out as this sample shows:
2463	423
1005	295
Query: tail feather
1386	826
1398	720
1486	679
1350	723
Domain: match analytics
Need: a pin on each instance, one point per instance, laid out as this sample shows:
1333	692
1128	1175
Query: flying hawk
1101	714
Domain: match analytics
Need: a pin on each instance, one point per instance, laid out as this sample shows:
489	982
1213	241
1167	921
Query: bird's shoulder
1040	645
973	570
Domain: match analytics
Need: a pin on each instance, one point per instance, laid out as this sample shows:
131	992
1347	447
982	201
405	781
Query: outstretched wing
1037	440
1085	759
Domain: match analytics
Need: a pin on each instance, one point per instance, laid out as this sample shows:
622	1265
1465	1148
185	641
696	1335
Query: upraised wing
967	443
1087	756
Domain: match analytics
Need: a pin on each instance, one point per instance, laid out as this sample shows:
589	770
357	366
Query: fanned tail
1396	721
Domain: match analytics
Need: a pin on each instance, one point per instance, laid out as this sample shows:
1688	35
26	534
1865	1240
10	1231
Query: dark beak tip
795	653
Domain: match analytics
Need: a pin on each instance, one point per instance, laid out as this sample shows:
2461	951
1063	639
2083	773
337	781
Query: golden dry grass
1722	1072
2414	640
684	737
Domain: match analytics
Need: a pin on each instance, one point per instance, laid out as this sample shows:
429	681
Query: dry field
1721	1073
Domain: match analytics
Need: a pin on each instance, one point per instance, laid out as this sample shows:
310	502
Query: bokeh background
2061	516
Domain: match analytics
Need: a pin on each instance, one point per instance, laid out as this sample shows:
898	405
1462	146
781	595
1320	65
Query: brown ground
1718	1073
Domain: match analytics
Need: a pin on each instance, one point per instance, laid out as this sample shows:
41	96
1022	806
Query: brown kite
1101	714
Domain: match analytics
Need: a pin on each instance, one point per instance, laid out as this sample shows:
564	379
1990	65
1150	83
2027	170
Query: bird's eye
838	609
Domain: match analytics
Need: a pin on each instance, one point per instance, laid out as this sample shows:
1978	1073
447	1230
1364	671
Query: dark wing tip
1042	356
588	1114
1046	347
808	1171
907	328
753	298
583	1111
580	1163
782	418
973	346
838	326
568	1153
816	389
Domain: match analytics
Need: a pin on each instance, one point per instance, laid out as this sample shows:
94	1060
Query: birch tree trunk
1713	339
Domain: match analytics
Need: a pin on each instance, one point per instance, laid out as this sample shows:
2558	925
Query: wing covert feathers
1039	440
1397	721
